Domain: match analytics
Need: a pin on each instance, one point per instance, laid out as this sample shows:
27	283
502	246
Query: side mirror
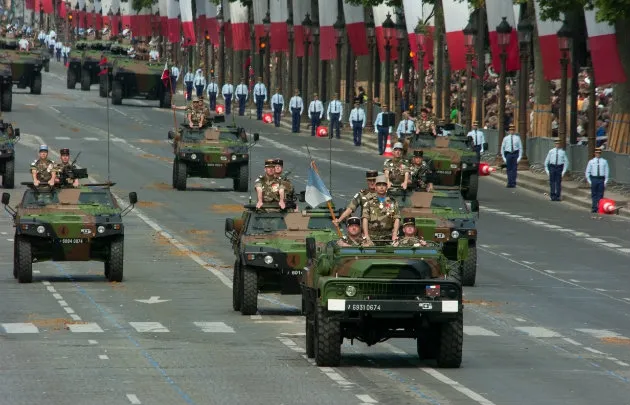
256	137
302	196
474	205
229	225
311	249
6	197
171	135
133	198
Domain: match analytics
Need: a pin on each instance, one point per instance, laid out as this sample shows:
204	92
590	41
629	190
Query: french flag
47	6
355	27
548	41
240	26
211	23
380	15
260	11
602	41
200	23
163	9
98	14
496	10
227	29
278	13
188	25
125	14
300	9
328	12
413	14
173	21
455	18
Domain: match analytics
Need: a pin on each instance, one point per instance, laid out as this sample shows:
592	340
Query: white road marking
478	331
624	250
90	139
627	299
103	357
118	140
143	327
601	333
366	399
520	319
133	399
550	271
537	331
505	254
10	239
75	317
621	363
57	296
581	234
527	262
46	282
214	327
457	386
62	138
611	245
92	342
34	271
553	226
19	328
255	317
601	289
55	110
574	280
297	334
89	327
51	289
593	350
69	310
539	223
63	303
596	240
573	342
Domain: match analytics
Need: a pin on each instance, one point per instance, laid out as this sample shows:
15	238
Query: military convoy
83	63
134	78
26	67
9	136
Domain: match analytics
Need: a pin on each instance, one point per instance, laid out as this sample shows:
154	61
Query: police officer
212	90
478	139
396	170
361	197
333	115
189	79
242	94
277	103
268	188
43	169
556	165
297	108
597	172
63	166
227	91
406	127
357	120
315	113
353	237
418	171
260	97
381	215
512	152
381	130
200	82
409	238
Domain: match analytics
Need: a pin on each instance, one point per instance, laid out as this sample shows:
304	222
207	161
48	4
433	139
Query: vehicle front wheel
180	175
115	259
241	181
451	341
249	291
24	261
7	99
8	178
86	80
327	339
71	79
36	86
473	186
236	281
469	268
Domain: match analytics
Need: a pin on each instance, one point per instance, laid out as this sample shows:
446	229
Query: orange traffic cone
388	147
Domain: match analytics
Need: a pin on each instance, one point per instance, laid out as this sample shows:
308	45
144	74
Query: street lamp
470	37
564	42
389	31
401	32
369	27
220	22
525	29
339	27
306	24
420	39
291	32
504	31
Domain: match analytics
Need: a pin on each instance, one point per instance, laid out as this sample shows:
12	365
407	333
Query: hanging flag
316	191
227	25
355	27
166	76
47	6
103	64
240	26
279	13
260	11
455	20
496	10
380	15
188	25
418	11
548	41
163	9
602	42
173	22
98	15
200	21
211	23
328	12
300	9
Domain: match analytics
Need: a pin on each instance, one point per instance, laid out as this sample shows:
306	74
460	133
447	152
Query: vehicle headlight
268	259
41	229
351	291
193	156
100	229
234	157
464	166
455	234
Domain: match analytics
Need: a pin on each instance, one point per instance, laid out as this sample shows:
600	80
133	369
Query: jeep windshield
192	135
452	203
33	199
39	199
96	198
230	137
266	224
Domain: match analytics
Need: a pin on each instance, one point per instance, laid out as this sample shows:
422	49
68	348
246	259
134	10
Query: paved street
547	323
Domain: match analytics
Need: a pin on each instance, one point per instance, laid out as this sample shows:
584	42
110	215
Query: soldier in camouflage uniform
64	165
361	197
409	238
396	170
195	114
286	183
424	124
419	169
269	189
381	215
43	169
353	238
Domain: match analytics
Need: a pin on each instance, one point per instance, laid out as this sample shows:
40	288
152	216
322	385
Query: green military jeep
269	250
135	78
83	64
211	153
9	136
373	294
26	67
68	224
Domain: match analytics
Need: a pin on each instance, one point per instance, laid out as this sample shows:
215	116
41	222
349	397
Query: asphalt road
547	322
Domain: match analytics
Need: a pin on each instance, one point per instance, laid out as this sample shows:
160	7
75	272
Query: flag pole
170	85
328	203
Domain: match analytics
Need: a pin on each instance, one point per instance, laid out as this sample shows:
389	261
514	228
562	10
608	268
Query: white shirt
51	42
557	156
278	99
175	72
58	45
189	77
23	44
379	122
66	50
213	87
199	80
52	34
405	127
296	102
334	107
597	167
154	54
227	90
260	90
357	114
316	107
478	138
241	90
512	143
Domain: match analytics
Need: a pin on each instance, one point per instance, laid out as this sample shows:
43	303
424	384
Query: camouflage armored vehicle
133	78
443	216
26	67
373	294
6	85
269	250
211	153
451	159
9	136
116	51
84	66
68	224
45	53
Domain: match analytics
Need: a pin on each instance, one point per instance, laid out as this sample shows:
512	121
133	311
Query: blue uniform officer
381	130
556	165
597	172
511	152
357	120
296	106
315	112
260	97
277	102
333	115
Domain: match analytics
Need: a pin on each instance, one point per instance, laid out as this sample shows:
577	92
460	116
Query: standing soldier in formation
556	165
333	115
212	90
396	170
200	82
597	172
410	238
227	91
357	120
425	125
381	215
512	152
296	105
418	172
268	188
353	237
361	197
43	169
315	113
189	79
381	130
478	139
277	103
62	167
242	93
260	97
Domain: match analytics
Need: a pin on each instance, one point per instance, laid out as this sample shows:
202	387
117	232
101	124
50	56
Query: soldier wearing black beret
353	237
409	238
64	168
419	170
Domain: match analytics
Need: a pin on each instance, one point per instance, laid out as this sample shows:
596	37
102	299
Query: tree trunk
542	102
619	132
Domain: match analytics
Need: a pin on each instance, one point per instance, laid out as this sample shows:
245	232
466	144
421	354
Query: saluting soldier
361	197
43	169
260	97
556	165
425	125
597	173
277	103
396	170
212	90
410	238
286	183
64	165
419	169
353	237
381	215
268	188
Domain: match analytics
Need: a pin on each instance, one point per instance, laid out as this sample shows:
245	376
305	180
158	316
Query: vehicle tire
427	342
310	336
181	176
8	178
327	339
241	181
47	66
15	257
115	259
249	291
24	261
7	99
117	93
71	79
36	86
469	268
86	80
236	282
451	341
174	181
165	101
473	186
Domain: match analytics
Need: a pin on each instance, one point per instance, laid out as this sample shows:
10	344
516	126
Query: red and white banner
380	15
240	26
98	14
174	27
602	42
328	12
260	11
211	23
279	12
163	8
89	17
300	9
496	10
456	18
413	15
355	27
143	22
200	21
125	16
61	10
227	29
548	41
188	25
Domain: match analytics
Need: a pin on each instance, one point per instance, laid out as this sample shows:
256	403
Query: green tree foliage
608	10
138	5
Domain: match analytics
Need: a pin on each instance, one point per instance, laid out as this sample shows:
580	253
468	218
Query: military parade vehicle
26	67
451	159
68	224
116	51
9	136
6	85
444	216
211	153
377	293
135	78
83	64
270	252
45	53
